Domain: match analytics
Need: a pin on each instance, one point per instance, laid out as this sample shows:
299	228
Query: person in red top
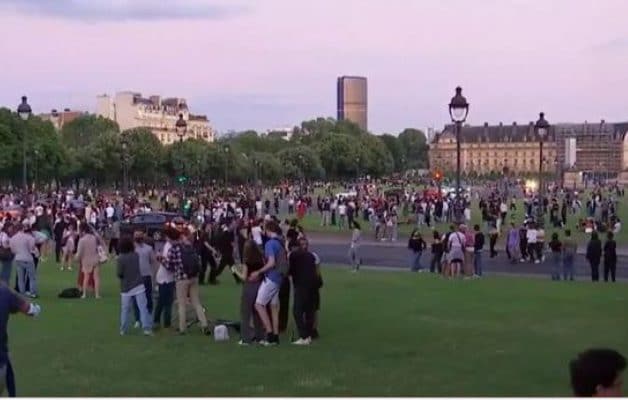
301	209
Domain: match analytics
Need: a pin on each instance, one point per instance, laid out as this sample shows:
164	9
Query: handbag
102	254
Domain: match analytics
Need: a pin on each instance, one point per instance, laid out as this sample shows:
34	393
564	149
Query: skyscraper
352	100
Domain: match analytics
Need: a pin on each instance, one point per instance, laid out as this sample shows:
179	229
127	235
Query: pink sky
271	63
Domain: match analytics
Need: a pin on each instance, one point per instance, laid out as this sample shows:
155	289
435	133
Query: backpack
70	293
281	262
190	260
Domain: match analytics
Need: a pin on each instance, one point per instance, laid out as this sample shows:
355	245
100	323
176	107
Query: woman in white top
455	246
166	287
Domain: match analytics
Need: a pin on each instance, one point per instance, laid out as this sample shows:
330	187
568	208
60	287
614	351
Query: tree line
89	150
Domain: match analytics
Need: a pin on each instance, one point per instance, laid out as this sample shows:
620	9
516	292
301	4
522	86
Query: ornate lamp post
458	111
125	165
542	129
181	127
24	111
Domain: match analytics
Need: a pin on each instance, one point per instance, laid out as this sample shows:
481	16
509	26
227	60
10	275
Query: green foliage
89	150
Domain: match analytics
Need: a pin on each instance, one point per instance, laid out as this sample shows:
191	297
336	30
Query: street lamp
24	111
226	150
542	129
181	127
125	165
35	160
458	111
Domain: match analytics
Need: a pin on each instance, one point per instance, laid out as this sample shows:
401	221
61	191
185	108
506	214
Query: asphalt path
395	256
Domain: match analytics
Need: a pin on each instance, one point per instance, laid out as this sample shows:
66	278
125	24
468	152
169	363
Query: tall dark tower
353	100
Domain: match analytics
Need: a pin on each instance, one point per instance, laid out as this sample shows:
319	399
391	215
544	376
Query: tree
394	146
146	154
414	143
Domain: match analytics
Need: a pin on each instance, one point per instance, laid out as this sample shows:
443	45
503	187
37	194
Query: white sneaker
537	262
303	342
136	325
242	343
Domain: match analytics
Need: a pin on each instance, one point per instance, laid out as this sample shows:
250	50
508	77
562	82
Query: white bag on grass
221	333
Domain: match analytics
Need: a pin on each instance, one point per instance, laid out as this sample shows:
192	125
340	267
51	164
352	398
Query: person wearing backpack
184	261
274	271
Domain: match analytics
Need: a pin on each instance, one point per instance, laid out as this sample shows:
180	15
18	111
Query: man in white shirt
531	236
342	214
166	288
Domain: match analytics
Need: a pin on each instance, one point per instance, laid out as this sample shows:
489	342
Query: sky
265	64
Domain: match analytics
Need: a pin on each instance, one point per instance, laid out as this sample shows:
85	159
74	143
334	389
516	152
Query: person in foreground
268	292
597	373
10	303
131	287
303	272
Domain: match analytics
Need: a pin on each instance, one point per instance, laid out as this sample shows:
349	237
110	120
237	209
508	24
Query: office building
352	96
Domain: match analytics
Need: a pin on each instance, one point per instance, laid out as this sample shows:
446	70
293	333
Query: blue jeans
26	269
148	286
568	267
127	304
477	263
415	260
5	273
556	262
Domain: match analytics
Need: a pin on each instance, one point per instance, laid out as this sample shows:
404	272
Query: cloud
125	10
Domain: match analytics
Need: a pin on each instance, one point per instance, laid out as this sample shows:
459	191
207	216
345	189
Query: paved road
394	255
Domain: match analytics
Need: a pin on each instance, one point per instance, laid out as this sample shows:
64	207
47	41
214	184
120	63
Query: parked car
149	223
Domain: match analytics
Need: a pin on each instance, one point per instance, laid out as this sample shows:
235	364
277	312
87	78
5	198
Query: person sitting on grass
597	373
131	287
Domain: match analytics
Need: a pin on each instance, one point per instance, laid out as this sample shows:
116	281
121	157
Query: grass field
383	333
311	223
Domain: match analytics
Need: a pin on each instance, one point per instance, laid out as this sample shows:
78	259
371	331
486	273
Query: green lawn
311	223
383	334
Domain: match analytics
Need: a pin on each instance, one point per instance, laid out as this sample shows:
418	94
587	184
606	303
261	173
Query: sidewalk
345	238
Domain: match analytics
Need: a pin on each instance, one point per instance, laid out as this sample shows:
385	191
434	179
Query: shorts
268	292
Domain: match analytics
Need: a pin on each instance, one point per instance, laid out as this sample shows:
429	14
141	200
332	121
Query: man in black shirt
305	281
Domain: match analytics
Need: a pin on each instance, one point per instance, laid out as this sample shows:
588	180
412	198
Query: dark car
149	223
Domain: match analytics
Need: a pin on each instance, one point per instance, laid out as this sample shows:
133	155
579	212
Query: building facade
352	98
131	110
60	118
515	148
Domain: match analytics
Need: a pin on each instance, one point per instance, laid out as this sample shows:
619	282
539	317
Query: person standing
610	257
165	287
88	260
478	245
115	235
594	255
354	247
23	247
10	303
493	234
58	230
302	270
184	262
268	293
132	288
416	245
570	248
556	248
6	255
253	261
148	262
456	246
437	253
532	236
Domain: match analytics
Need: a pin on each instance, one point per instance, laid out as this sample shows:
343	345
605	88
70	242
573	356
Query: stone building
492	149
60	118
601	147
131	110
